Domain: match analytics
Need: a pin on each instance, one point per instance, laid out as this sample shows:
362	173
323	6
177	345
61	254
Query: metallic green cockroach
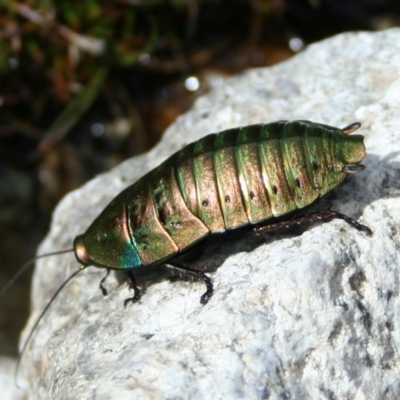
243	176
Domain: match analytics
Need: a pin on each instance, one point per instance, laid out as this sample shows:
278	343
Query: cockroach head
80	250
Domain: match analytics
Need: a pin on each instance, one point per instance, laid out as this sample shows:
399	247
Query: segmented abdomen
223	181
247	175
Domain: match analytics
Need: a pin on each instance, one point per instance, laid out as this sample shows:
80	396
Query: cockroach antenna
12	281
28	264
35	325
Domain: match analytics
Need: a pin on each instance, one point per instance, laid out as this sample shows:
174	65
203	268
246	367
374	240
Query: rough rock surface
8	389
315	315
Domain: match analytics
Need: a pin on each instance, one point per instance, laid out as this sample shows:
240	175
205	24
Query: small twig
91	45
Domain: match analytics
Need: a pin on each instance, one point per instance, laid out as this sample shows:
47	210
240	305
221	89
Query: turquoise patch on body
130	258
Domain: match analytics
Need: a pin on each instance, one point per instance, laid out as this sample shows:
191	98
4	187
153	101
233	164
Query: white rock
310	316
8	388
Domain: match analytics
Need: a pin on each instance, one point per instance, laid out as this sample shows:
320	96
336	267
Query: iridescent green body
243	176
224	181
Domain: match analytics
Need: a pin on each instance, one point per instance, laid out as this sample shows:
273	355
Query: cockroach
224	181
250	175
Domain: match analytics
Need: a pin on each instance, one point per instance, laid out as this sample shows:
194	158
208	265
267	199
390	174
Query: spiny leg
198	275
327	214
331	214
132	285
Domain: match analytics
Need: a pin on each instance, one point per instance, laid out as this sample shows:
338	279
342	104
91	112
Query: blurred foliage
54	53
